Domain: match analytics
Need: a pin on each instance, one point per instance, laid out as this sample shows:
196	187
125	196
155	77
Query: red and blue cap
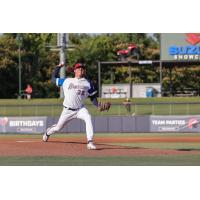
79	65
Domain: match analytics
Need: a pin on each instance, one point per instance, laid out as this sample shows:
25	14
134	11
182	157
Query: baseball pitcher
76	90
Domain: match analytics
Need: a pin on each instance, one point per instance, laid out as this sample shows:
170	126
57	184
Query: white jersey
75	91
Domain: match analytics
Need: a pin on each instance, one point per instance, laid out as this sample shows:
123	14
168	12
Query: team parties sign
175	123
22	124
180	46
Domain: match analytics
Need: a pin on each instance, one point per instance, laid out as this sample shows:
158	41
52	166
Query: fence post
119	109
170	108
36	110
135	109
188	108
153	108
52	110
20	111
4	110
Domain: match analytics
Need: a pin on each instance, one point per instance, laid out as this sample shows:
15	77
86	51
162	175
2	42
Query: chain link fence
116	109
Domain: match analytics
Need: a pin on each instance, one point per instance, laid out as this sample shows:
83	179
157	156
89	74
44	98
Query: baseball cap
79	65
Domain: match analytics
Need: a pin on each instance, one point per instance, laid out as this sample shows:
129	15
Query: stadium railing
172	108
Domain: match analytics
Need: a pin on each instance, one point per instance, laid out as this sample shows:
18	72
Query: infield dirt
75	146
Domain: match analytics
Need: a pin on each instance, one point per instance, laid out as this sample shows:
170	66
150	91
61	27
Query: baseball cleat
91	146
45	137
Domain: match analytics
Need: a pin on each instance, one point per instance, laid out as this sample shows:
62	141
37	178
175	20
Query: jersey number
81	92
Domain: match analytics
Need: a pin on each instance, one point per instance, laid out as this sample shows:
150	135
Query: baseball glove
104	106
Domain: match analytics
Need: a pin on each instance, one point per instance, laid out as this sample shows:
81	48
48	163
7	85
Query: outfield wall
143	124
105	124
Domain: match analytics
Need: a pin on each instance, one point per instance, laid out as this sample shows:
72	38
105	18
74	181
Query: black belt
73	109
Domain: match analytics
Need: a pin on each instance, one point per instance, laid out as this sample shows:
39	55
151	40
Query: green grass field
140	106
183	160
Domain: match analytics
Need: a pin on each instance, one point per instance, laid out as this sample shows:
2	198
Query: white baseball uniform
75	92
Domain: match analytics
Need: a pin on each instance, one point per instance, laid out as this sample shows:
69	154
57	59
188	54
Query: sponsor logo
26	129
193	38
3	121
188	52
24	123
193	123
176	125
168	122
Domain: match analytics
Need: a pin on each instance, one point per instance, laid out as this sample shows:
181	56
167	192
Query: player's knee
56	129
88	118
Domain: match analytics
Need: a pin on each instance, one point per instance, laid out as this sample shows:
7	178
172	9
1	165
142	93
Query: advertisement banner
23	124
115	91
174	123
180	46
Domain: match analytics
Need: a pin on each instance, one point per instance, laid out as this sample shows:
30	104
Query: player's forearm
94	101
55	74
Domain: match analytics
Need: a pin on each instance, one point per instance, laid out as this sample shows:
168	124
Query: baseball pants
68	115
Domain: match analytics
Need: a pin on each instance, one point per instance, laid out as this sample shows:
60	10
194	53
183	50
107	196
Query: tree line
38	61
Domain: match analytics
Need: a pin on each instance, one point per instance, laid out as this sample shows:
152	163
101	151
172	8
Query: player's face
79	72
